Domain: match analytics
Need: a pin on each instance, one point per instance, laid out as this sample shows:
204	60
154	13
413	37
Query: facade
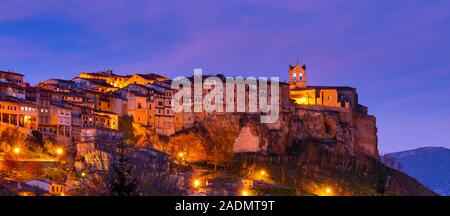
57	85
95	139
108	76
94	84
47	186
19	113
303	94
8	76
12	90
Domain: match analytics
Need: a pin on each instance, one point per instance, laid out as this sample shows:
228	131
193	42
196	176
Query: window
294	77
301	77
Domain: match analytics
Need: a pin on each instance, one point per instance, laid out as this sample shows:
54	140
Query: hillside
304	153
430	166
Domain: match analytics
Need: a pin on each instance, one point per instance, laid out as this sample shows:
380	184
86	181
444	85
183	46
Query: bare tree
119	172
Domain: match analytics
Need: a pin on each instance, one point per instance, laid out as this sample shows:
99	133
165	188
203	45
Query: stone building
108	76
94	84
12	90
303	94
12	77
145	79
19	113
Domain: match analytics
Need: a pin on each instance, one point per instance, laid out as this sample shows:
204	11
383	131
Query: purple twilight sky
396	53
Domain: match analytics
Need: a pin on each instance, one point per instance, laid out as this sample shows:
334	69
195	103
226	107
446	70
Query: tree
111	174
117	172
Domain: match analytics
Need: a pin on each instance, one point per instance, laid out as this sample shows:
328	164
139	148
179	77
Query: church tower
297	76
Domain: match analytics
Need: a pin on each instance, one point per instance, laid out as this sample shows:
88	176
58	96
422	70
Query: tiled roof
332	87
151	76
12	73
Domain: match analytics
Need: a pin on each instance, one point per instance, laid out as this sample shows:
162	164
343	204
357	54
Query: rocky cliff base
304	152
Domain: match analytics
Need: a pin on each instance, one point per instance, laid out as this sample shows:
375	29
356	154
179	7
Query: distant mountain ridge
429	165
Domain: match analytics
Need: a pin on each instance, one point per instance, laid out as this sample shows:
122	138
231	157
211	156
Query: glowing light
245	193
181	154
83	174
196	183
302	100
59	151
16	150
263	173
326	191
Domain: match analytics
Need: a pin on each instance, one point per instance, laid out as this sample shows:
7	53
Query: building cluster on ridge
89	105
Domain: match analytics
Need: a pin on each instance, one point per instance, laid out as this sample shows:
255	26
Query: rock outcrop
219	136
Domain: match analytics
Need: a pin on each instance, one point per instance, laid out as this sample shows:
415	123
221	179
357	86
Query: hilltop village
76	111
92	103
86	114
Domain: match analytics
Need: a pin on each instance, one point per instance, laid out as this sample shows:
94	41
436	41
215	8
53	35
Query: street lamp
59	152
181	156
16	150
196	183
244	192
327	191
263	173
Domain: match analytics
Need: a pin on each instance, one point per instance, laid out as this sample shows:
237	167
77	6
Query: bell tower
297	76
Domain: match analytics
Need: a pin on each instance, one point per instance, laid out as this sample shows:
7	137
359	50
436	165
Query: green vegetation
32	146
309	171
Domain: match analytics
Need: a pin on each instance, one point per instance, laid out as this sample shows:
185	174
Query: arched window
294	77
301	77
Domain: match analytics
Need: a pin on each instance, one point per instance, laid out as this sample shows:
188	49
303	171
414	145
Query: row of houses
92	101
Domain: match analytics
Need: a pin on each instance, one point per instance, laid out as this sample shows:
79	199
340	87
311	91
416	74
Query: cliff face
305	149
219	136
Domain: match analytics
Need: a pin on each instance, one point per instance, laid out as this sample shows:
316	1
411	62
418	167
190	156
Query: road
27	164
